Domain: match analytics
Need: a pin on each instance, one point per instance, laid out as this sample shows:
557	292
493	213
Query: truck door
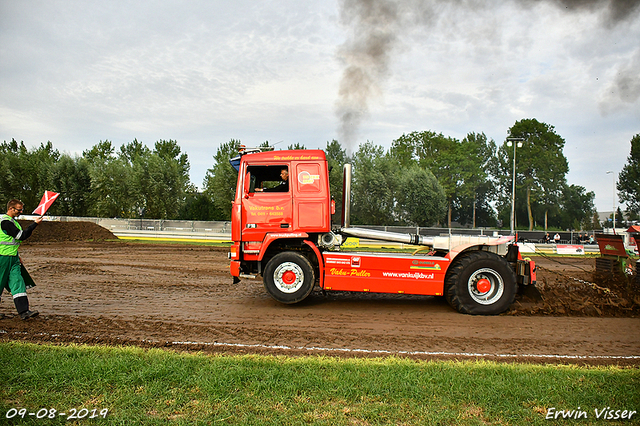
311	203
266	204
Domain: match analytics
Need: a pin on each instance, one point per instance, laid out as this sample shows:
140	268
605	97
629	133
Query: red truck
283	232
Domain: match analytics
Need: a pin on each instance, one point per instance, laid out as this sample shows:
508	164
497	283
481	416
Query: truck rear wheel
289	277
480	283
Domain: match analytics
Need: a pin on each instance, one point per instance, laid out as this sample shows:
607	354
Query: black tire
494	275
289	277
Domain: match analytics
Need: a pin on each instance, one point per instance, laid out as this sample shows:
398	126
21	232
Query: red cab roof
288	155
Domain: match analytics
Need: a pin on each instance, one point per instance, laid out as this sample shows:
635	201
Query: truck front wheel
480	283
289	277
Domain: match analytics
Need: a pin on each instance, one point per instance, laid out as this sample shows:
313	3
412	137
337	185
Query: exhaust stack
371	233
346	196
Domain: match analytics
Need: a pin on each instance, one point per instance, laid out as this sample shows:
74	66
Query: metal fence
221	230
158	228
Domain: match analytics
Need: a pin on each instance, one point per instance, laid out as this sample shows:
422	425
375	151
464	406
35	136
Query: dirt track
182	296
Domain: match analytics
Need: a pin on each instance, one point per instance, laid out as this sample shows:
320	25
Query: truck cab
267	210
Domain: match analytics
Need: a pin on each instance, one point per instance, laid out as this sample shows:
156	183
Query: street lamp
513	188
613	179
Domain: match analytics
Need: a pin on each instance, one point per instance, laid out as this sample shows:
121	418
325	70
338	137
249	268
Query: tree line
128	182
428	179
423	179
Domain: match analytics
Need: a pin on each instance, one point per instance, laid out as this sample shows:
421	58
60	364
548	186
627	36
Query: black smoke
374	28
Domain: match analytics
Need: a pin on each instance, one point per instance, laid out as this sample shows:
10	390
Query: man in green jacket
10	274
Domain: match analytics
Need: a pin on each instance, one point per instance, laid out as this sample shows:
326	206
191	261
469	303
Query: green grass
158	387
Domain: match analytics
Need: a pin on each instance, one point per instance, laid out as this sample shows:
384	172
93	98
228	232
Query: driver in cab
282	187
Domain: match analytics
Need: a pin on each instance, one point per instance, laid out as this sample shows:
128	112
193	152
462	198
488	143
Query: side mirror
247	184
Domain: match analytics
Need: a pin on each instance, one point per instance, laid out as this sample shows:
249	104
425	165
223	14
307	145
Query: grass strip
158	387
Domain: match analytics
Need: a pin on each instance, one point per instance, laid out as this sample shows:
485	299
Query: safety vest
8	244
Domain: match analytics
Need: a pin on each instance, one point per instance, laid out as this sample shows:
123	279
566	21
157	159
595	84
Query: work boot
22	306
29	314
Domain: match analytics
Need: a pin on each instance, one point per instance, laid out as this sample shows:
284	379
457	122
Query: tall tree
577	207
541	167
26	172
111	190
171	182
478	211
100	151
442	155
135	157
374	175
629	179
421	199
220	180
70	177
10	169
297	145
595	221
133	151
112	193
445	158
619	217
198	206
476	156
156	181
403	150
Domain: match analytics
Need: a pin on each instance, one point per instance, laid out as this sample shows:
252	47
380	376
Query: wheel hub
288	277
483	285
486	286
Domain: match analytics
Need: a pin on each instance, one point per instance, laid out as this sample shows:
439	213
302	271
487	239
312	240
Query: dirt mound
581	292
57	232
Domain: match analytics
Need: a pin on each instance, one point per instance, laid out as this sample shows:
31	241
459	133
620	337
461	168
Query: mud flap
235	270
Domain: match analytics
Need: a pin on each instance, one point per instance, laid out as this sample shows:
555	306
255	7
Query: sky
289	71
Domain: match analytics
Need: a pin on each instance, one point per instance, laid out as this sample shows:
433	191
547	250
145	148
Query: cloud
204	72
612	11
624	90
477	31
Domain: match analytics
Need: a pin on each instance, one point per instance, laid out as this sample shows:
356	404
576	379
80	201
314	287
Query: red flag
47	199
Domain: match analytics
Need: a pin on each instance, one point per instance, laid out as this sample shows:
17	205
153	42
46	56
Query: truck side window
269	178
